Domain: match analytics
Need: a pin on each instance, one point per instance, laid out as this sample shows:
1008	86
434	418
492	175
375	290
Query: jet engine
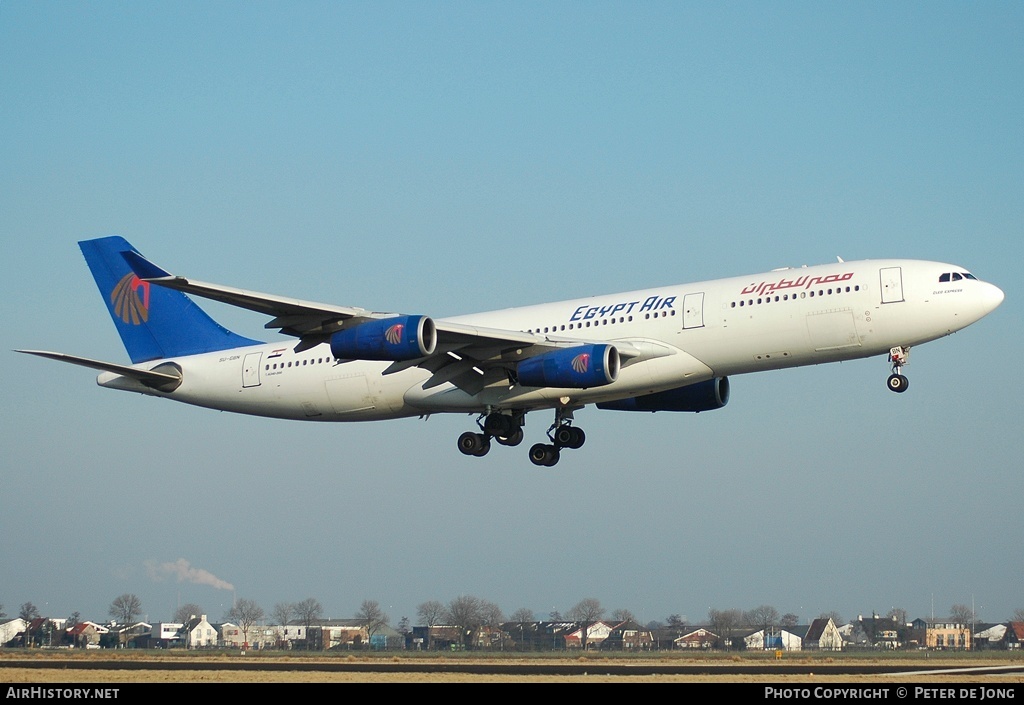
398	338
576	368
703	396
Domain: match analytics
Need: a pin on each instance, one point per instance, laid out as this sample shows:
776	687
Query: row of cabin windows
793	297
296	363
600	322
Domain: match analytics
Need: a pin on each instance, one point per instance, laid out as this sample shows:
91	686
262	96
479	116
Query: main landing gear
507	429
898	356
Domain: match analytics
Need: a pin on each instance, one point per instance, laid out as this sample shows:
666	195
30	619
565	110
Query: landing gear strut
898	356
562	435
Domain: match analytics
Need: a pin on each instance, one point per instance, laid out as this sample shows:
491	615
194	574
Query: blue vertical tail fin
154	322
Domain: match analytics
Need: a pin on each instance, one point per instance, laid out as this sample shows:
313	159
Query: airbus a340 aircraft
670	348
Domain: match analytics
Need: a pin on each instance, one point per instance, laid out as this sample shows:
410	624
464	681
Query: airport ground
111	667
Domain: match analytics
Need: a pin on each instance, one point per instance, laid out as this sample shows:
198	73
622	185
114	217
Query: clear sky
448	157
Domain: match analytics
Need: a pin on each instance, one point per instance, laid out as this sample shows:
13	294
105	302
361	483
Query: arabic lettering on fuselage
651	303
804	282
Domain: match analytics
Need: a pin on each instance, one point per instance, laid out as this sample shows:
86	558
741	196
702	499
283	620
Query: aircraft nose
992	296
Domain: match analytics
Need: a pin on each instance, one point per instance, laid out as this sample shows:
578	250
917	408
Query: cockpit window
956	276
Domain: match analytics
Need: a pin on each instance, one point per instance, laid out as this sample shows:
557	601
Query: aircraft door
892	284
251	370
693	311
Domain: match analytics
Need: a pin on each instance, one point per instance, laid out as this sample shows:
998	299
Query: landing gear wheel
897	383
511	440
474	444
544	454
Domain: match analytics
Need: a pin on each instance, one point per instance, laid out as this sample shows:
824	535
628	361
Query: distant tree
1018	615
490	614
2	613
836	618
555	616
373	617
676	621
306	612
898	615
465	612
187	612
789	620
403	627
244	613
964	616
28	612
73	620
588	610
724	623
764	617
282	613
623	615
430	614
522	614
125	608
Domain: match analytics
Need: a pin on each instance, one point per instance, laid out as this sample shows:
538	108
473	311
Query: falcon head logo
130	299
394	334
581	363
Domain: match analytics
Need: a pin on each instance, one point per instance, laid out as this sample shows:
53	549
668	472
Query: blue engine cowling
576	368
398	338
703	396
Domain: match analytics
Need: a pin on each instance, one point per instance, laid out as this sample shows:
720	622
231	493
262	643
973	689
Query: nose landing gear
898	356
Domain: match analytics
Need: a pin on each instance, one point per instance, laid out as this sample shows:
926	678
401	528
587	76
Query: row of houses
820	635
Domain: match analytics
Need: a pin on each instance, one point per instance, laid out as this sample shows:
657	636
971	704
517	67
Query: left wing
470	357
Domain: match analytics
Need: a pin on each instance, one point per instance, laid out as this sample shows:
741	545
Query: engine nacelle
398	338
576	368
703	396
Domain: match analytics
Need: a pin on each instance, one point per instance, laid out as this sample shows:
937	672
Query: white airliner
670	348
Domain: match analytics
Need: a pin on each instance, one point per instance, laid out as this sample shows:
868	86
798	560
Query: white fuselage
686	334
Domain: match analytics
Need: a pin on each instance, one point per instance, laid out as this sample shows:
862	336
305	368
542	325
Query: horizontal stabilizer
158	380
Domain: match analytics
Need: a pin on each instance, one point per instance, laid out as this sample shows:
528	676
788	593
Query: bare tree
764	616
306	612
623	615
963	616
282	613
187	612
28	612
245	613
522	615
724	623
898	615
1018	615
466	613
789	620
836	618
374	617
490	614
676	621
588	610
430	614
125	608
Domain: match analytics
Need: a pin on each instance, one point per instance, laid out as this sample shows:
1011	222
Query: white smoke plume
185	573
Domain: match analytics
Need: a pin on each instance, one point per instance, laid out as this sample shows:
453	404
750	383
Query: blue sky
443	158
